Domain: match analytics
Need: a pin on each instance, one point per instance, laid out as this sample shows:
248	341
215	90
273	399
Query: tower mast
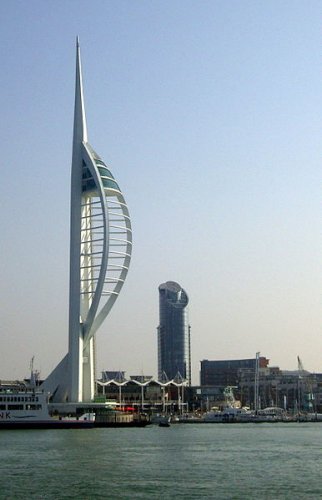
75	327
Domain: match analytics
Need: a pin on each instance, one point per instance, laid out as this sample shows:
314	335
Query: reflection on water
183	461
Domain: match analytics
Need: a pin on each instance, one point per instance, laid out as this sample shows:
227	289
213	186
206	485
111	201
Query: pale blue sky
209	115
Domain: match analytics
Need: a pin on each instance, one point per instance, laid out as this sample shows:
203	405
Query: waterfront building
143	379
296	390
174	352
225	373
100	254
113	375
291	390
146	393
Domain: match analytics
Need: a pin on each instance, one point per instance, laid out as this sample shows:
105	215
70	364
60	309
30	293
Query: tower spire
80	127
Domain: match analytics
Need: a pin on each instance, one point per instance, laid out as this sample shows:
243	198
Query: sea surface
190	461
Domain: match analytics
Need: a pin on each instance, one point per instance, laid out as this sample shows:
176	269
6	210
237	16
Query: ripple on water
266	461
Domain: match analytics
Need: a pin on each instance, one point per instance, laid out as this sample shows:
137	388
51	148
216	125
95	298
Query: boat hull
43	424
122	424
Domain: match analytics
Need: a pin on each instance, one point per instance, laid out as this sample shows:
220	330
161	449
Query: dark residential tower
174	356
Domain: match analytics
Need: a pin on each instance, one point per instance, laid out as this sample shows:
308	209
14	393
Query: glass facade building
174	353
227	372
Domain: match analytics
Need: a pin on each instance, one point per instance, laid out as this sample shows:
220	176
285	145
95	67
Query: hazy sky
209	115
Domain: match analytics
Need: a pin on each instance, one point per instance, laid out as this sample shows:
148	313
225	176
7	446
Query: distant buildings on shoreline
297	391
253	381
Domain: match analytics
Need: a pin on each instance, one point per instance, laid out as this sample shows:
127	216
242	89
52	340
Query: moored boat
161	419
228	414
29	410
164	421
112	418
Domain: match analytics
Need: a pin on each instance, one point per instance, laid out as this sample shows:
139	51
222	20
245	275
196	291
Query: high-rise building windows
174	357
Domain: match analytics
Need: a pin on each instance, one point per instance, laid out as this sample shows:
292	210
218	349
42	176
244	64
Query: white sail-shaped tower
100	254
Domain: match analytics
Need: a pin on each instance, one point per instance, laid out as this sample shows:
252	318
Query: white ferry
29	410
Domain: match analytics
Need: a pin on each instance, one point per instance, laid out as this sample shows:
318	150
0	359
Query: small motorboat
164	421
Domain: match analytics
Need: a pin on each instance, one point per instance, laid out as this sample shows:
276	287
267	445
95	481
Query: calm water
184	461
